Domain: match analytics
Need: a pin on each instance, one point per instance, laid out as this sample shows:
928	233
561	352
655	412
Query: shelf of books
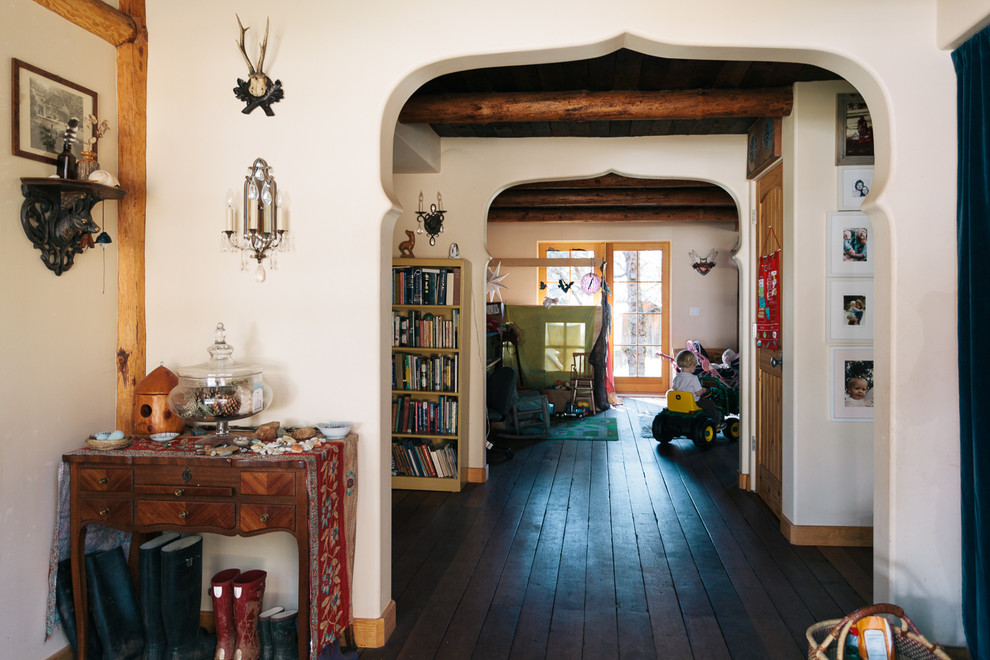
428	374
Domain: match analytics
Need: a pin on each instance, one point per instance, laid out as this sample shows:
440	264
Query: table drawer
109	480
188	474
112	512
268	482
185	513
256	517
183	491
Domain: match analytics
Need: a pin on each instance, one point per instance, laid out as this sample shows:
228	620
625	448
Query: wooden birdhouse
151	413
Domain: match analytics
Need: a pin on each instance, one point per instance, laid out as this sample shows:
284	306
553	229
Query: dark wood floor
609	550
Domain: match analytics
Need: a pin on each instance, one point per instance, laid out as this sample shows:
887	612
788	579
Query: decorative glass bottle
86	165
65	165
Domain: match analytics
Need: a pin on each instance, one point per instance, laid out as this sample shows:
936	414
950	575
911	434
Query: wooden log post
132	116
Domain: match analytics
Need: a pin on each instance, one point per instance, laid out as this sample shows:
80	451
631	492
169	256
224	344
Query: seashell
104	177
102	435
116	435
296	449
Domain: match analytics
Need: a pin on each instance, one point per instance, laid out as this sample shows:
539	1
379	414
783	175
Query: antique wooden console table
151	488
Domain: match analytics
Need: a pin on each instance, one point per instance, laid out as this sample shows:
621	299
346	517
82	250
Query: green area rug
594	427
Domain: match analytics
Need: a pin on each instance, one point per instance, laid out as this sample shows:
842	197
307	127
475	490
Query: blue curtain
972	62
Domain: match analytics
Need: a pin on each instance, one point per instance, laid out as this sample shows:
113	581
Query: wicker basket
827	639
104	445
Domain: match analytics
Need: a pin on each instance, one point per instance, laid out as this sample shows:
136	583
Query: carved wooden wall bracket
56	213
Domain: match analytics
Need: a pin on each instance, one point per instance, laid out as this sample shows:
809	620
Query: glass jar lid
220	365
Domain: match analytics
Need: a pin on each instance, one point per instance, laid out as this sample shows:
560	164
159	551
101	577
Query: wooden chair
582	385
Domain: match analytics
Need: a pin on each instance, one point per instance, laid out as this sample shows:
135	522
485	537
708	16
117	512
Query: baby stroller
683	416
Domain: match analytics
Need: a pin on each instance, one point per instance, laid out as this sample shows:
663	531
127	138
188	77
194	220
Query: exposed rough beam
712	196
615	181
132	117
615	214
597	106
97	17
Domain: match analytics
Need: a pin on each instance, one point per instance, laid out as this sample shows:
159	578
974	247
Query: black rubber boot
150	587
285	642
265	630
182	581
67	612
116	615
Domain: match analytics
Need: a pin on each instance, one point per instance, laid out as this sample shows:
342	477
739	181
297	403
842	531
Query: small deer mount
703	264
258	90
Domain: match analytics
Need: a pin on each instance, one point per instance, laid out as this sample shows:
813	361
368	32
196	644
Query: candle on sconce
229	224
439	201
420	201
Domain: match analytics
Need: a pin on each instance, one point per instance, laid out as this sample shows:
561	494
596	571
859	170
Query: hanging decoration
591	283
564	286
494	284
432	219
768	301
703	264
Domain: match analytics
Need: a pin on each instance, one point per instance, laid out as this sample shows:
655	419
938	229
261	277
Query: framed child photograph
852	384
850	249
854	186
42	104
853	131
850	310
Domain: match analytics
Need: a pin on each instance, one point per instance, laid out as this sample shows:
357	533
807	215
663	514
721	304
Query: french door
639	276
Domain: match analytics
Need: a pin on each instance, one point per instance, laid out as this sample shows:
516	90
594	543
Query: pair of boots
171	574
244	632
115	629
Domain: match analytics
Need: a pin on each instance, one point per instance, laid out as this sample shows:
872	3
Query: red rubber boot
249	590
222	593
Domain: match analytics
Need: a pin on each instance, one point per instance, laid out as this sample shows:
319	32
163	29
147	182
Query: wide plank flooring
620	549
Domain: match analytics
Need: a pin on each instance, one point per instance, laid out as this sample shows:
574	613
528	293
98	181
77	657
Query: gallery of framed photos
850	303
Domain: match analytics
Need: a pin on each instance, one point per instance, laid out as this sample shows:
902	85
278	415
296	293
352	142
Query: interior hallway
609	550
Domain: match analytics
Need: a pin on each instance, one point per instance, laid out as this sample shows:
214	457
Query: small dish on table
334	430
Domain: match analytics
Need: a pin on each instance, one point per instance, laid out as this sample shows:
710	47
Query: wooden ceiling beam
614	181
712	196
99	18
615	214
597	106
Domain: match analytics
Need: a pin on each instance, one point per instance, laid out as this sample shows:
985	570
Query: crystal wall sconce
432	220
260	234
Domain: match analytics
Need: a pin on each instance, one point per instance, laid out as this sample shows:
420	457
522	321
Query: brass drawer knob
104	512
265	517
183	514
179	491
104	481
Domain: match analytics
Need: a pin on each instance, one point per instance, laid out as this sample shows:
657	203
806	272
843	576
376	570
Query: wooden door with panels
769	386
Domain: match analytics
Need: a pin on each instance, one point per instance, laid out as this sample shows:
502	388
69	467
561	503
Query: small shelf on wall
57	213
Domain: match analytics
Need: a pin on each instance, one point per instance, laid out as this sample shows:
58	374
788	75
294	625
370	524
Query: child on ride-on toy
687	381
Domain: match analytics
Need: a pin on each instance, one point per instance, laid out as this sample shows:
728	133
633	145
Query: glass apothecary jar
220	391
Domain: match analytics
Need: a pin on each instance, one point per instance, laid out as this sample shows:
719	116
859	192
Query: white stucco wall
58	333
317	325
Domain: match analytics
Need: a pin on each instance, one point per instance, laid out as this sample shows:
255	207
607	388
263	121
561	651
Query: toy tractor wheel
661	431
704	433
731	430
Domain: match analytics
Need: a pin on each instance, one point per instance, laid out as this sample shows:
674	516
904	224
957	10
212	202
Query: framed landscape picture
850	310
852	384
854	131
854	186
850	247
42	104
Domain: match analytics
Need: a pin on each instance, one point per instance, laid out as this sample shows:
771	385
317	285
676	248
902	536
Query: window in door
639	275
569	276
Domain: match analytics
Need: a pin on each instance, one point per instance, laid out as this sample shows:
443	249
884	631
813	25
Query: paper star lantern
494	284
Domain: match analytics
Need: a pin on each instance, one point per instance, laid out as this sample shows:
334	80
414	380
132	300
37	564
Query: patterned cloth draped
331	483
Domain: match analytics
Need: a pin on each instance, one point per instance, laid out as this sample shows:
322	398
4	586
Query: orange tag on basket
876	639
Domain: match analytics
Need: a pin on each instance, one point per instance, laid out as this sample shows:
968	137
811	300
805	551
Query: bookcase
429	374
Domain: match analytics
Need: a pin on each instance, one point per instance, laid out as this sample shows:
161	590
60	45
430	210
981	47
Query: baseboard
373	633
477	475
743	481
64	654
861	537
